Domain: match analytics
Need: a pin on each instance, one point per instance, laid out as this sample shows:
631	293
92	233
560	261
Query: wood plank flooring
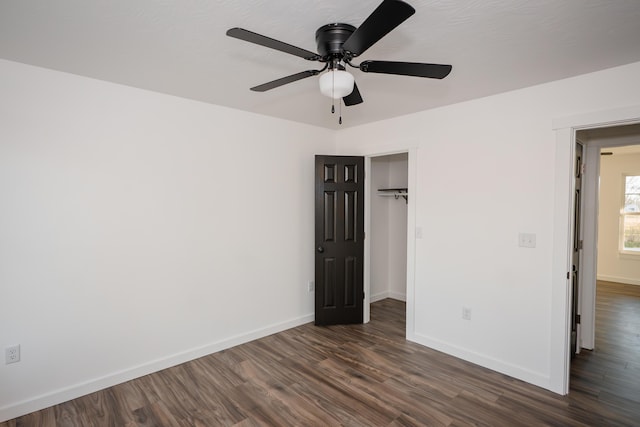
362	375
611	372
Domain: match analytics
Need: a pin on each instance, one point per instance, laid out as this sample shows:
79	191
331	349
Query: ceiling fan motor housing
330	39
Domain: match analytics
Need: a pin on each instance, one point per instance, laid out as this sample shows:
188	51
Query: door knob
320	249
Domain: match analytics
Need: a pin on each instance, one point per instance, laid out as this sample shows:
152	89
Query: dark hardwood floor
611	372
366	375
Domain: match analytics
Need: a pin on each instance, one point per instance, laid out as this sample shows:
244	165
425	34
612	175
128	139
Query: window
630	215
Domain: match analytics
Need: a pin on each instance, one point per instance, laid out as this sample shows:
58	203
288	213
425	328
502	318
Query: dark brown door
577	247
339	240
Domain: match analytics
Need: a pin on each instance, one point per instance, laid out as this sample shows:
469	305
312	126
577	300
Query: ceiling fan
338	44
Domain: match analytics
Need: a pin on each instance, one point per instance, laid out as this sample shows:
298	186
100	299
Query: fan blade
385	18
283	81
256	38
353	98
416	69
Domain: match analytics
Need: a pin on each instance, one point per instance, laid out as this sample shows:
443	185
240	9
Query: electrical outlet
12	354
311	286
466	313
527	240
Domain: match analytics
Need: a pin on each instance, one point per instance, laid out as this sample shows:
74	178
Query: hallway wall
614	266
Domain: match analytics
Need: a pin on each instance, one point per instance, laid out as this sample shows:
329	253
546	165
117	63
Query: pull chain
333	84
333	99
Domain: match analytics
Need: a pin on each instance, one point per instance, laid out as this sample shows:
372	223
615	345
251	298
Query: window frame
635	252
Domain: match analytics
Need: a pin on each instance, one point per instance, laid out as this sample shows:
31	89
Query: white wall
379	230
612	265
388	229
485	172
139	230
129	214
398	176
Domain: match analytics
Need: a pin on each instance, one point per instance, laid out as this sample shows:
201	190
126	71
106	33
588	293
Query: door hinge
568	274
577	318
580	243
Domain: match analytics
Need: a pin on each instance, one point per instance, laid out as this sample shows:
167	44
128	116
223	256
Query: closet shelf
395	193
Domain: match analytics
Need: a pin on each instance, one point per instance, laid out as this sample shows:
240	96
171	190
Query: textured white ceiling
180	48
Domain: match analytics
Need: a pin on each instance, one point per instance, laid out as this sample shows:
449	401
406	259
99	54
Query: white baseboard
616	279
509	369
379	296
387	294
74	391
398	296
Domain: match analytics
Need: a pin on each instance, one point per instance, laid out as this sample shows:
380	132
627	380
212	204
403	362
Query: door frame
590	228
412	154
565	130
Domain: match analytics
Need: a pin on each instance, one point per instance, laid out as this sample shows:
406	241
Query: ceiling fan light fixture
336	84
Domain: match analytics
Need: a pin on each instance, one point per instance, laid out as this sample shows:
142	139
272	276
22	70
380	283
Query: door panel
339	240
350	216
328	284
329	209
350	281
